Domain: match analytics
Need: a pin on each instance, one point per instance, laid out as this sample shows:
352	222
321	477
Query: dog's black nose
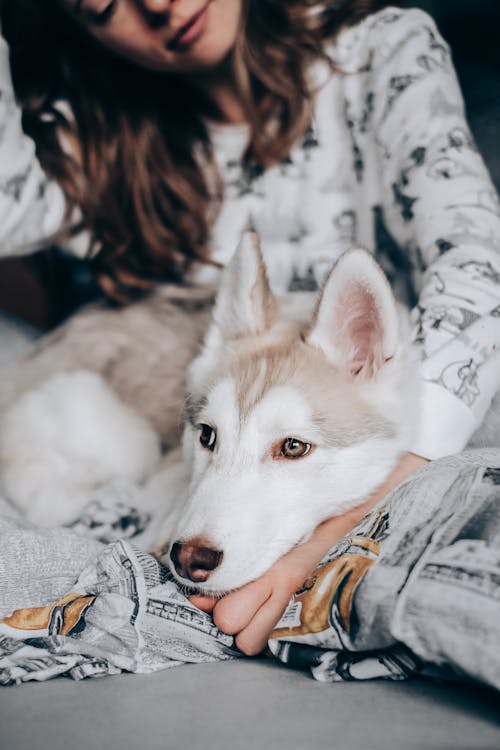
194	559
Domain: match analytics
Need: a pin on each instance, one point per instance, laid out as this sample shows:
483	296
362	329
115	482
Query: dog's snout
194	559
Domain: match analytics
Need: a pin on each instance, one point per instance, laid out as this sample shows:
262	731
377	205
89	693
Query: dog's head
288	422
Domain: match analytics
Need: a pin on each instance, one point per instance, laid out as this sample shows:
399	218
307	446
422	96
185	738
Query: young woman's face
171	36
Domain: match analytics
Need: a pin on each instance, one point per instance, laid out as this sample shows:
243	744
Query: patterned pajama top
388	163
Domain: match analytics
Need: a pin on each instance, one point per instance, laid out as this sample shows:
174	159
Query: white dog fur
336	374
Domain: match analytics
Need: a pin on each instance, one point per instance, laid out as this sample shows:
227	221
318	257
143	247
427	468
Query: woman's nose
156	7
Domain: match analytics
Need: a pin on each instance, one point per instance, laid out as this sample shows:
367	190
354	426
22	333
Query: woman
163	126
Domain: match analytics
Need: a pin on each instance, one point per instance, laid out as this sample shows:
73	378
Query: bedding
413	589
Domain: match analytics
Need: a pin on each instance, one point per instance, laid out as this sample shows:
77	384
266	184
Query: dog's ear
356	323
245	305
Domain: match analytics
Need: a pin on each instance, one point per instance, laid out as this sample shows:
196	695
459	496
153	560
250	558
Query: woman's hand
251	613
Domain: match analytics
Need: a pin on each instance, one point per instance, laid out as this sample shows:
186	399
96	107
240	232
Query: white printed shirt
388	163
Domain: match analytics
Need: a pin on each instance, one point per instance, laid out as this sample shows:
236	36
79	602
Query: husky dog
296	410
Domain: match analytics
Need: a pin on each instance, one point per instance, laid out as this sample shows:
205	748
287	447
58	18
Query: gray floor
243	705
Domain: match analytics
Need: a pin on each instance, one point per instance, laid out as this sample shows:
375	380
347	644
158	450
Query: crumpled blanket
414	588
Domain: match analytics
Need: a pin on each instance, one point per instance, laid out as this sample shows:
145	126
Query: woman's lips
190	31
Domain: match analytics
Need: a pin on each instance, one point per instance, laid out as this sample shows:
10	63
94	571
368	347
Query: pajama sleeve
32	206
440	206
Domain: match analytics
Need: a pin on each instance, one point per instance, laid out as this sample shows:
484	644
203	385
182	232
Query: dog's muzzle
194	559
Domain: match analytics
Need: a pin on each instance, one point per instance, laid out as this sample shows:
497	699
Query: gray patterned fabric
122	614
414	588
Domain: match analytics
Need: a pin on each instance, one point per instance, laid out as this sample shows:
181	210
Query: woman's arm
440	206
32	206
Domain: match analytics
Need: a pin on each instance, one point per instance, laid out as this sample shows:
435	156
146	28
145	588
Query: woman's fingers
252	612
233	613
254	637
205	603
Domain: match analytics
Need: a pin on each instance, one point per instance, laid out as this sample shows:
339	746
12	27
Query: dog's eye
293	448
208	436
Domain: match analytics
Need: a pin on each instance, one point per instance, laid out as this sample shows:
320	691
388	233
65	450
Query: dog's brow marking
251	386
343	435
193	407
258	372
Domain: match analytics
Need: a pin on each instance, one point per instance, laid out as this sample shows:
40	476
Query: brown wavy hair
138	178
